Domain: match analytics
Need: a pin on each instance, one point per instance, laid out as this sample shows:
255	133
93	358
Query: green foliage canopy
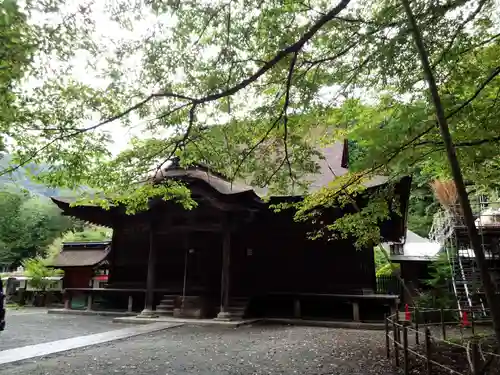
28	224
274	77
36	269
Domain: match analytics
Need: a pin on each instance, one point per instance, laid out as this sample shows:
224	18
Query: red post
407	313
465	321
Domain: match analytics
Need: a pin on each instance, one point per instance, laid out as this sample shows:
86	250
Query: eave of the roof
81	257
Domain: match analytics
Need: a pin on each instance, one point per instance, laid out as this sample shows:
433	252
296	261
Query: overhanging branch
285	113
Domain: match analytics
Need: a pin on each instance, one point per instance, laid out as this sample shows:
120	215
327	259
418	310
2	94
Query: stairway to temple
238	307
166	305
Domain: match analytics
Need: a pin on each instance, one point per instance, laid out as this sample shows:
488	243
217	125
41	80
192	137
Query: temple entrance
191	261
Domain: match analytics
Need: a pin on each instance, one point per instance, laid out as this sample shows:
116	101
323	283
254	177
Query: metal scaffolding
449	230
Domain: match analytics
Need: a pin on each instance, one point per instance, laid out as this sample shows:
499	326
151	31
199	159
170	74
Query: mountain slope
20	180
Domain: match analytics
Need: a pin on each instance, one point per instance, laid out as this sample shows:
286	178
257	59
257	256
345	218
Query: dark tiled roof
330	167
81	255
216	181
70	200
92	213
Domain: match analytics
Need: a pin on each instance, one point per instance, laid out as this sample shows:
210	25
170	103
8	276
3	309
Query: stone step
237	308
169	308
159	308
166	305
165	313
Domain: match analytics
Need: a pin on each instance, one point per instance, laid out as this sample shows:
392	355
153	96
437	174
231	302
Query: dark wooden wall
284	260
271	254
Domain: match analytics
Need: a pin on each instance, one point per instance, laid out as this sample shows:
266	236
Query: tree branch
257	144
285	114
481	87
182	142
456	172
293	48
476	142
478	91
457	32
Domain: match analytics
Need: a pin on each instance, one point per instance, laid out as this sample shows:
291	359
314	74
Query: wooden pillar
224	313
150	282
355	311
89	301
130	303
297	309
67	299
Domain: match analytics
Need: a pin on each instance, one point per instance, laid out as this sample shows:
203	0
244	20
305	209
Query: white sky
107	33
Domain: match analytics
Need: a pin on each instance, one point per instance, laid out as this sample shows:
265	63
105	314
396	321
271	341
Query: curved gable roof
202	173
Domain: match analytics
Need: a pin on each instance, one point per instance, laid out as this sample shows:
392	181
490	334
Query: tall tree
456	171
27	226
16	52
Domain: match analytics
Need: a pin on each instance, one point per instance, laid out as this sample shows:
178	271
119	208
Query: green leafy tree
251	68
16	53
36	269
439	294
28	224
275	97
382	266
38	272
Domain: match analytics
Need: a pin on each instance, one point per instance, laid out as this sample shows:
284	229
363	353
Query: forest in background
31	226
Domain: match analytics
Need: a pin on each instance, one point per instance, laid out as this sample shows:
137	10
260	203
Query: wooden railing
90	293
353	299
412	344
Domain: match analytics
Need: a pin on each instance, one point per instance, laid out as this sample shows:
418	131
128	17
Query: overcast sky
108	33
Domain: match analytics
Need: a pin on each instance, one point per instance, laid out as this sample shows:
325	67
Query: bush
36	269
440	296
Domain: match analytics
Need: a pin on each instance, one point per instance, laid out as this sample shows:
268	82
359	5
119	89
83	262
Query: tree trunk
488	286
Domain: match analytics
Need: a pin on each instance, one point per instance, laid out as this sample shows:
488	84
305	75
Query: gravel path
35	326
223	351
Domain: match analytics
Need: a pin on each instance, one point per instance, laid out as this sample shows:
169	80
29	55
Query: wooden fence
410	344
389	285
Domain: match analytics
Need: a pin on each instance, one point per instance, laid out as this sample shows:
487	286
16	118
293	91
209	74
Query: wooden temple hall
232	256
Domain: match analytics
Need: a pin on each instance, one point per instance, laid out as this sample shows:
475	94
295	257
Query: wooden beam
191	228
225	282
150	281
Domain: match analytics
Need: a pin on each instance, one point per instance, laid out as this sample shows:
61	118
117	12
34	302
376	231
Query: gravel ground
34	326
223	351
